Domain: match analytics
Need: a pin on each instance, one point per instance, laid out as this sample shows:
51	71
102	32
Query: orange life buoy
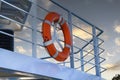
46	33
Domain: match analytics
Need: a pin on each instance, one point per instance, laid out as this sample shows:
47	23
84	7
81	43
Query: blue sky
106	15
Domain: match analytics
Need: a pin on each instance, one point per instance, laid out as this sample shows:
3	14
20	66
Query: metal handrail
87	43
76	15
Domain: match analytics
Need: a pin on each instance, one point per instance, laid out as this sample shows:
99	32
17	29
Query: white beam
23	63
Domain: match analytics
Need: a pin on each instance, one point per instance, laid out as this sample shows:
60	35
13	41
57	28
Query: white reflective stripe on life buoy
55	55
67	45
48	42
48	22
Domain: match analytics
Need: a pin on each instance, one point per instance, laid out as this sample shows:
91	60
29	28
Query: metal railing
86	50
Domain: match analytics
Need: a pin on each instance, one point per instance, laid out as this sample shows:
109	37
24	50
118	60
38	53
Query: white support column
71	54
34	30
96	52
82	60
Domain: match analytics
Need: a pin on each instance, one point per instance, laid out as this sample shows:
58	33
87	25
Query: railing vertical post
82	61
71	54
34	30
96	52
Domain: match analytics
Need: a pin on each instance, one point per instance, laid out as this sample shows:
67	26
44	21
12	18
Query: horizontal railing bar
93	54
81	28
85	40
76	15
86	22
101	40
102	60
81	39
90	68
104	69
15	21
100	43
46	57
39	6
88	53
101	31
93	67
89	62
90	41
29	27
59	5
19	38
14	36
85	61
101	51
84	46
75	46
